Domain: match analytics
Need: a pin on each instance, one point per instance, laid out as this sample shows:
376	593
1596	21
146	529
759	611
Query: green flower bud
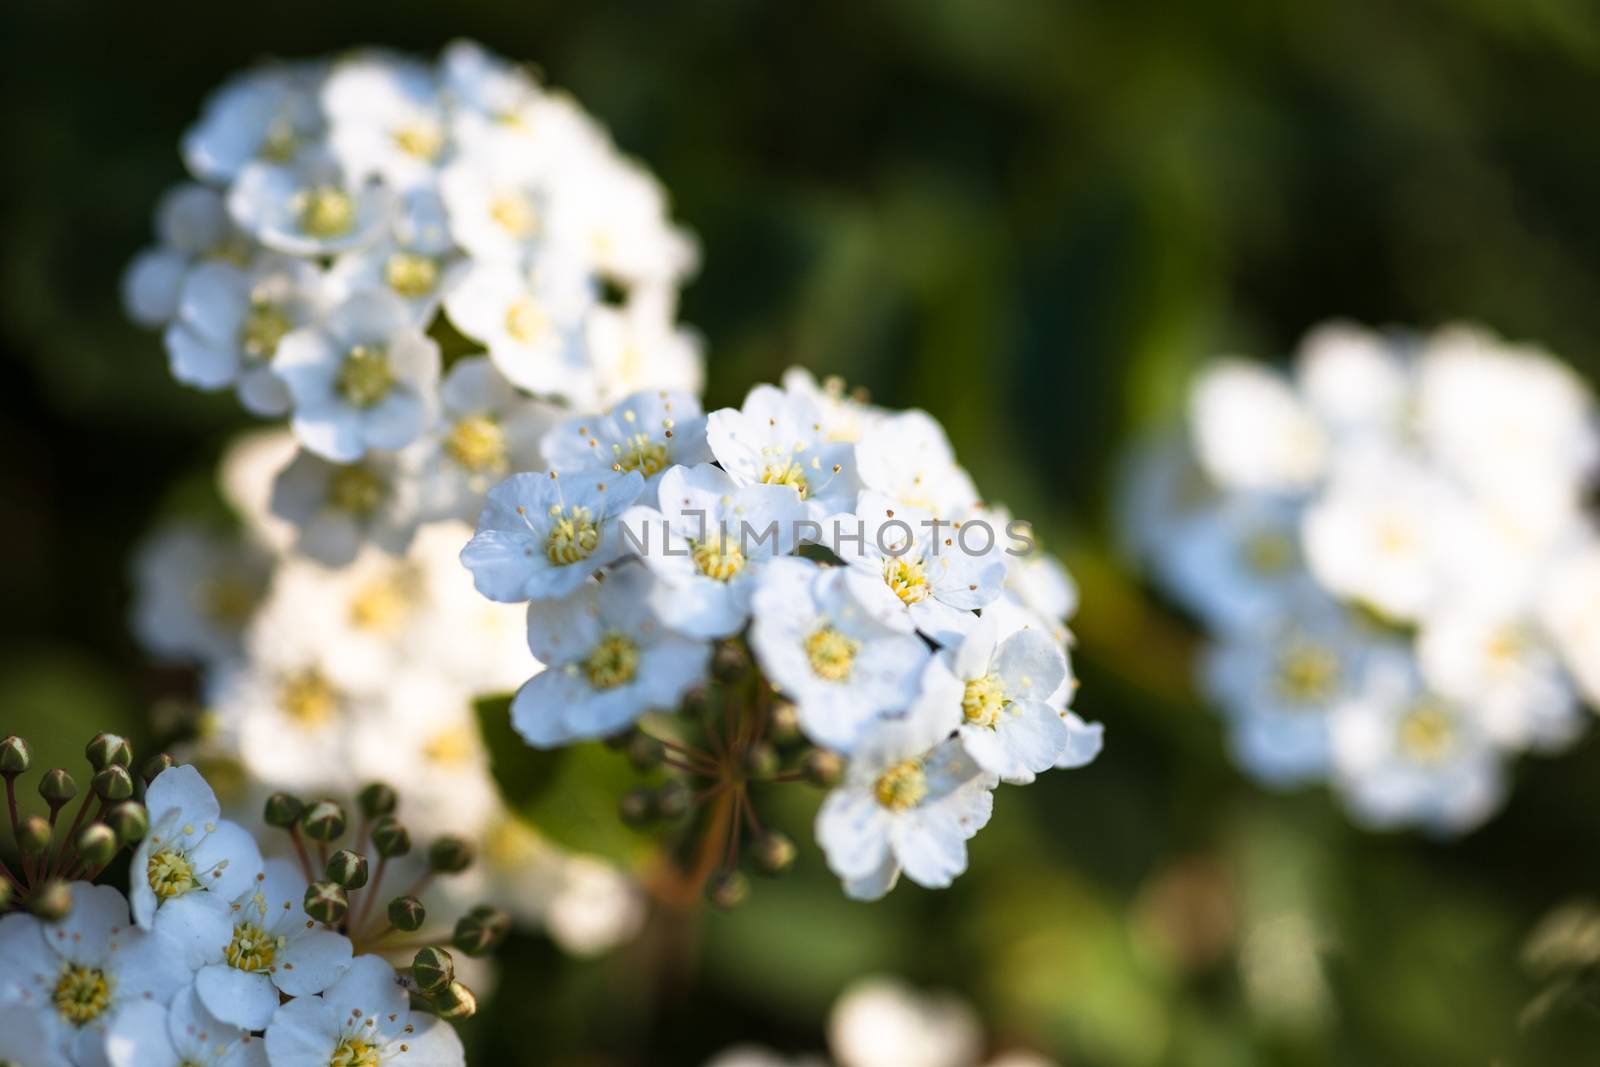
774	852
728	889
106	750
672	799
323	821
57	787
112	783
155	765
390	838
15	756
497	919
477	934
407	914
129	821
33	835
823	768
760	761
283	810
97	843
638	807
450	854
619	740
51	901
785	722
347	868
433	970
696	704
729	661
645	752
377	799
326	902
455	1002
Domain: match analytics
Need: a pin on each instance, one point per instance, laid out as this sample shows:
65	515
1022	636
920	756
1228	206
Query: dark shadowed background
1030	218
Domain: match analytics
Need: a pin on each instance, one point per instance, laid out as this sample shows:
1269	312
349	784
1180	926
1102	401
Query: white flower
385	119
1355	381
73	977
844	418
500	197
1570	609
1251	431
1403	755
908	457
1007	724
363	1018
230	321
880	1022
842	666
915	570
608	661
414	259
641	346
192	225
1233	561
247	951
1038	579
366	379
709	543
617	216
250	465
530	321
335	508
542	535
475	78
595	907
189	849
647	432
22	1034
270	114
182	1034
311	208
778	438
194	591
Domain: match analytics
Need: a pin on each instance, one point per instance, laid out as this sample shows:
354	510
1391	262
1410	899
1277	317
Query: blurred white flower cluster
898	622
1391	548
881	1022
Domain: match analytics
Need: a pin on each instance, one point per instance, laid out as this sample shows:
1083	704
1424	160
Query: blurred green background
1031	218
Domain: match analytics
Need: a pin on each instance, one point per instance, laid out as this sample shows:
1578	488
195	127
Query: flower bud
774	852
672	799
407	914
823	768
326	902
283	810
455	1002
619	740
376	800
129	821
15	756
96	844
728	889
33	835
51	901
474	937
112	783
729	661
645	752
450	854
760	761
323	821
5	894
638	807
155	765
107	750
696	704
390	838
785	722
433	969
57	787
347	868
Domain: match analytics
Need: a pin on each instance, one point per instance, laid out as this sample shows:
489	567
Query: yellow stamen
831	653
612	662
902	786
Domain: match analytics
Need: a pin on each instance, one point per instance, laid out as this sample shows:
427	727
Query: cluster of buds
52	853
345	896
737	736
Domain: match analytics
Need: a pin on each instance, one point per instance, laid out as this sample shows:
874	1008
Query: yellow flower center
252	948
280	143
901	786
573	536
451	748
308	697
718	557
354	1052
355	490
82	994
831	653
789	473
515	215
264	326
423	140
1307	673
1268	552
526	321
326	211
983	701
613	662
365	377
1427	733
171	874
411	275
907	577
382	604
478	443
640	453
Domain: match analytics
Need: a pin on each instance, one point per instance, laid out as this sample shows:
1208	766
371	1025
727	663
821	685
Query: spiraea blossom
804	567
1390	545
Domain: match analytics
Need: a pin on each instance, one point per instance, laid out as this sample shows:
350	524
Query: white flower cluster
929	648
216	963
1391	549
881	1022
